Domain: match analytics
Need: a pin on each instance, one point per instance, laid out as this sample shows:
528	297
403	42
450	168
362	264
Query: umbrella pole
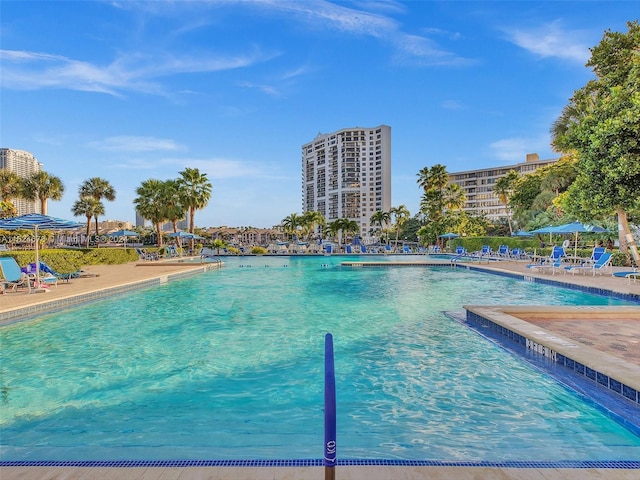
37	286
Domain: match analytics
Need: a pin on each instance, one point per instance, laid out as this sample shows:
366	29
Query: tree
41	186
291	223
97	188
10	185
504	188
601	124
400	215
170	193
87	207
382	219
195	192
150	204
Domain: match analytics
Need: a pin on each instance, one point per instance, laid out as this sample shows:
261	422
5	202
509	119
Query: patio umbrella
521	233
179	235
577	227
449	235
35	221
125	234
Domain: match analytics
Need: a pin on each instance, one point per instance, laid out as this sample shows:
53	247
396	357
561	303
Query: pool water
229	365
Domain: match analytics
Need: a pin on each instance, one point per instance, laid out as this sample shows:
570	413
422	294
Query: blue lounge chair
406	249
628	274
602	264
45	277
12	275
461	250
553	261
44	268
503	251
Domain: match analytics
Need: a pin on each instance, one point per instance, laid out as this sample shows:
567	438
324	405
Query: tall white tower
347	174
23	164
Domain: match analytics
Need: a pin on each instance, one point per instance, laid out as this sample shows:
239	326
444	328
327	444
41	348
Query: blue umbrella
577	227
449	235
35	221
522	233
125	234
187	235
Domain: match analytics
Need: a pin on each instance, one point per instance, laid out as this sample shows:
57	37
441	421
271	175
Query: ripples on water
228	365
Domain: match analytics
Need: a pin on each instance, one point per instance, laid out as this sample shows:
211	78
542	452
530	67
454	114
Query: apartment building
23	164
347	174
478	185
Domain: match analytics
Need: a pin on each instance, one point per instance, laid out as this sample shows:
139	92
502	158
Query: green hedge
68	260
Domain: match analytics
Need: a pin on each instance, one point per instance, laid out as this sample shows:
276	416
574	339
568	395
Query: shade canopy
577	227
522	233
187	235
35	221
124	233
449	235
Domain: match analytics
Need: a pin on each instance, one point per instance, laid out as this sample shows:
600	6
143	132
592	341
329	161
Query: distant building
478	185
347	174
23	164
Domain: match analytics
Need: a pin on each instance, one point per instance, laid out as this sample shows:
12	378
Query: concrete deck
582	331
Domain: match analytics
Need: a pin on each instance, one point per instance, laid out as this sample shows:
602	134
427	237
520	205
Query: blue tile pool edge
575	464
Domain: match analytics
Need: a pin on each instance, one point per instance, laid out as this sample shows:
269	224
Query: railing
329	410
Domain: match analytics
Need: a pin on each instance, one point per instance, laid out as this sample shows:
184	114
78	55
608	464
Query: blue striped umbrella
35	221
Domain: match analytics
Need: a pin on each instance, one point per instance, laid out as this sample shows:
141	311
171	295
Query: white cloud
552	40
127	143
514	150
134	72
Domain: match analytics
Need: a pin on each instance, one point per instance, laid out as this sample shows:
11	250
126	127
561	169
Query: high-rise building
23	164
347	174
478	185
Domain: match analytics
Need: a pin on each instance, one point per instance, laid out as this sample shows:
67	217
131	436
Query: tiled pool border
577	368
30	311
575	464
48	307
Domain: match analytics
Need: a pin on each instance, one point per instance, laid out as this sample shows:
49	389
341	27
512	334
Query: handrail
329	410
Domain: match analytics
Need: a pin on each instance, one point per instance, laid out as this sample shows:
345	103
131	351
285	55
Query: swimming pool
228	365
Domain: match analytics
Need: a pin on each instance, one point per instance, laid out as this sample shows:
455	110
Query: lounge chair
406	249
503	251
628	274
553	261
12	275
66	276
461	250
602	264
555	266
144	255
45	278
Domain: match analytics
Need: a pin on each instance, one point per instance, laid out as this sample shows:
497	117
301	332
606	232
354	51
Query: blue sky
129	91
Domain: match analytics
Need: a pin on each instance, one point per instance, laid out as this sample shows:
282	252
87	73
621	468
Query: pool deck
620	344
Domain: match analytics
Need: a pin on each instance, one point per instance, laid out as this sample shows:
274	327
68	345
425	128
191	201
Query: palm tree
382	219
434	178
97	188
311	220
87	207
290	223
401	214
504	188
349	227
42	186
150	204
10	185
170	192
195	192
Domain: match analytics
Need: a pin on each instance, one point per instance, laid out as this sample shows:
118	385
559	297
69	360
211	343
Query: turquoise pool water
229	365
